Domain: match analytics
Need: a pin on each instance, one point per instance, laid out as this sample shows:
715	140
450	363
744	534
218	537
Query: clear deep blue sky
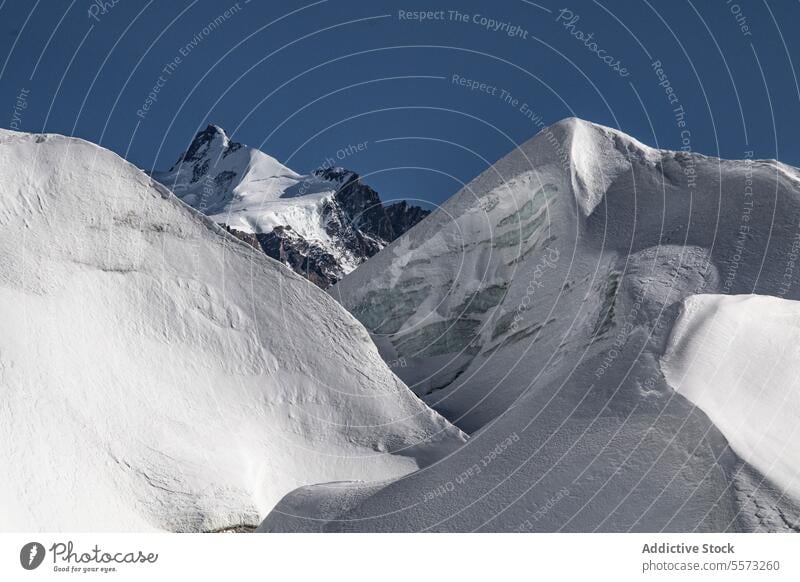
303	81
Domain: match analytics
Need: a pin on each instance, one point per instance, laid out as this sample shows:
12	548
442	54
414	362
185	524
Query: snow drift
736	358
157	373
533	310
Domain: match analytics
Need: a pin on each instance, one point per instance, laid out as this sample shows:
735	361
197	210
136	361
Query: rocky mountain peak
336	174
322	225
208	142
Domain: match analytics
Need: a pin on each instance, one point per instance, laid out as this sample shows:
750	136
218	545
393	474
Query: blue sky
306	81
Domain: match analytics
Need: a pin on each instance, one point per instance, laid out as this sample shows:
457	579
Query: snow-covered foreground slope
736	358
321	225
157	373
534	310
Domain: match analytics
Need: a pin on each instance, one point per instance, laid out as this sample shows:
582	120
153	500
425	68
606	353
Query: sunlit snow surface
533	309
252	192
737	359
156	373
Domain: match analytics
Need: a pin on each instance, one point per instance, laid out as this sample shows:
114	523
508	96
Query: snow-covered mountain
595	312
158	373
322	225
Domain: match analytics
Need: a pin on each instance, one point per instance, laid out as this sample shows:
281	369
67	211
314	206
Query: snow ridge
534	310
158	373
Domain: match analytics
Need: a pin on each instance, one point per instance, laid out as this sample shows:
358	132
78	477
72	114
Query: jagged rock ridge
321	225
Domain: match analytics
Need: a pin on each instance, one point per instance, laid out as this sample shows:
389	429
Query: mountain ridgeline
321	225
616	327
167	376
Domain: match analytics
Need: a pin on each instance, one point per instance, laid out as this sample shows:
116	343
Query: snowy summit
321	225
591	310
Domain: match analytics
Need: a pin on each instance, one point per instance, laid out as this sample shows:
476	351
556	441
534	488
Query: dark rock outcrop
346	228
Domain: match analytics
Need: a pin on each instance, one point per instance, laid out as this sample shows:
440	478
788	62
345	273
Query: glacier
571	309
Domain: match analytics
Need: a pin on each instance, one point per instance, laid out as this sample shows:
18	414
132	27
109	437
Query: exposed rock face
303	257
321	225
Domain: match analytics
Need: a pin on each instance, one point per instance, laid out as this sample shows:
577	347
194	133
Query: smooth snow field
737	359
158	374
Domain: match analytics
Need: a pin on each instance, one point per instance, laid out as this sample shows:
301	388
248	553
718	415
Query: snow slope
245	188
736	358
533	310
530	265
157	373
322	225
